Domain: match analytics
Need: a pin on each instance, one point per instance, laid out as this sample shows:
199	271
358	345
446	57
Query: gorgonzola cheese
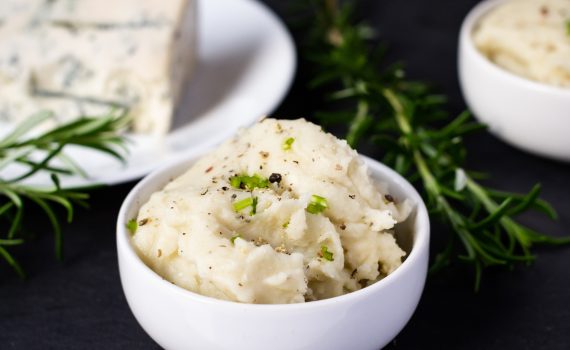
84	57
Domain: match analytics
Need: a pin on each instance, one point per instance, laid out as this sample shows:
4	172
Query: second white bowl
527	114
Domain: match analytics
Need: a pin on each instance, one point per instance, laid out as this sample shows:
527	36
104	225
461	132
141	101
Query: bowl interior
412	235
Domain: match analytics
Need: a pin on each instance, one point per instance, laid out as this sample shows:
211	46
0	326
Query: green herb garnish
43	153
287	143
253	207
568	27
286	224
242	204
326	254
249	182
132	226
382	107
233	239
317	204
247	202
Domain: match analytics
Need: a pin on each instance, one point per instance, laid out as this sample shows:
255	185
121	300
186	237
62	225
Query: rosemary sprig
404	119
42	153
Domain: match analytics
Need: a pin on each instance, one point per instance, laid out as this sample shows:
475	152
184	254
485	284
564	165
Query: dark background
79	304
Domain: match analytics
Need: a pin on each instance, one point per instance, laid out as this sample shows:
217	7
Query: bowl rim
467	27
125	249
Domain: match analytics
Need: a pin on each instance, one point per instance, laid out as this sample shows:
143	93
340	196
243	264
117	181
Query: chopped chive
286	224
317	205
253	207
246	202
249	182
235	182
242	204
326	254
233	239
287	143
132	226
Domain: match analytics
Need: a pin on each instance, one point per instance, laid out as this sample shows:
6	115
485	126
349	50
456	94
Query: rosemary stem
359	124
6	242
432	187
399	111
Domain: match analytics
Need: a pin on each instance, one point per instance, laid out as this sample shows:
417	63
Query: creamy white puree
185	231
529	38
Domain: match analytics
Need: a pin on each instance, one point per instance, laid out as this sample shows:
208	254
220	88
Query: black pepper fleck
275	177
389	198
143	221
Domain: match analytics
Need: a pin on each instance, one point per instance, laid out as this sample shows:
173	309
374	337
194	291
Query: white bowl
366	319
531	115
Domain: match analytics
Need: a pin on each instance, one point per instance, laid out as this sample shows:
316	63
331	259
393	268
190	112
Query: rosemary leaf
24	144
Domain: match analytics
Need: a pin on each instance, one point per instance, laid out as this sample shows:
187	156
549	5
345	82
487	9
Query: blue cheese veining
88	56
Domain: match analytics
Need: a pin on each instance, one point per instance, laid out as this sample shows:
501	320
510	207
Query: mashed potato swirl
307	223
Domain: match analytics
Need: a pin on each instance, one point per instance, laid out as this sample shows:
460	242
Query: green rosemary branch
42	153
403	118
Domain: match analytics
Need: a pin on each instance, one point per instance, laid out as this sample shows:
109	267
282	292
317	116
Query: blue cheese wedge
83	57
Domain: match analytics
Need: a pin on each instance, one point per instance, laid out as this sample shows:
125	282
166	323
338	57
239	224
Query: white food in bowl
531	115
267	244
529	38
365	319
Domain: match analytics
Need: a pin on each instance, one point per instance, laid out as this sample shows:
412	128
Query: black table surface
79	303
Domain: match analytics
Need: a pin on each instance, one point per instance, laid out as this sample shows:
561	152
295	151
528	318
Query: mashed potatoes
282	213
529	38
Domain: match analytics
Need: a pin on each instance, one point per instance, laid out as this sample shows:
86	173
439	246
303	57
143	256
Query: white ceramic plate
246	62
